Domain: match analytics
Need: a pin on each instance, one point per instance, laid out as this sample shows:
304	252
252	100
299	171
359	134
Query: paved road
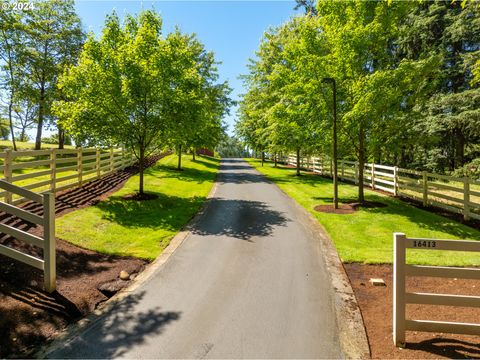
249	282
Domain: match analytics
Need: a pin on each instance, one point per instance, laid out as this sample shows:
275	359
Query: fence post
49	247
111	159
425	188
7	173
399	289
53	169
331	168
395	180
466	198
80	165
97	163
343	168
372	176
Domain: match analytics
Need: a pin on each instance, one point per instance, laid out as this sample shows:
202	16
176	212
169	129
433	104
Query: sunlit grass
143	228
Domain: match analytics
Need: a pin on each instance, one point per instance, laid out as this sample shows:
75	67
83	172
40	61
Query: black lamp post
334	150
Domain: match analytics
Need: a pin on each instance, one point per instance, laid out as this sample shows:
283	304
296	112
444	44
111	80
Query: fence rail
401	297
55	170
454	194
47	242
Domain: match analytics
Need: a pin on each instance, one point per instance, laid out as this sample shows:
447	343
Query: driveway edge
73	329
351	329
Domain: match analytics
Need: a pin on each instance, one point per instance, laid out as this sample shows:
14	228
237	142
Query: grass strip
366	235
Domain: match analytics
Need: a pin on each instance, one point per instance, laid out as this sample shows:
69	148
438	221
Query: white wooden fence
55	170
454	194
401	297
47	242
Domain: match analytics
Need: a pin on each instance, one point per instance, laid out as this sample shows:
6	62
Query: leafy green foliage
36	46
406	92
231	147
136	87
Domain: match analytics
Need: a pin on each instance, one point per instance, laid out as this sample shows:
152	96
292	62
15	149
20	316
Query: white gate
401	297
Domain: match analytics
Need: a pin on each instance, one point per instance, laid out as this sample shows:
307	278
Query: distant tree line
231	147
407	74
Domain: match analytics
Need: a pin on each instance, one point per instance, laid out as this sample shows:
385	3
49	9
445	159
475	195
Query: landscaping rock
110	288
124	275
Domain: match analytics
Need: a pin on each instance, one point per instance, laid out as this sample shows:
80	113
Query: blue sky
231	29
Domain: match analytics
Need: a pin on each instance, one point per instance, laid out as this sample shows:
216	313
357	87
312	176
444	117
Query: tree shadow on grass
423	218
165	212
449	348
190	175
119	330
208	164
187	174
240	219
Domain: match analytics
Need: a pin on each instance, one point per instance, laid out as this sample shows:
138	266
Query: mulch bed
376	306
30	317
342	209
349	208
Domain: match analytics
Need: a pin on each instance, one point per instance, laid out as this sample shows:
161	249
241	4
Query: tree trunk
41	114
275	160
193	153
452	150
459	149
298	161
361	162
140	170
263	157
10	119
10	104
61	138
179	167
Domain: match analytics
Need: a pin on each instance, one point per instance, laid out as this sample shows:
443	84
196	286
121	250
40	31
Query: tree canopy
137	87
406	86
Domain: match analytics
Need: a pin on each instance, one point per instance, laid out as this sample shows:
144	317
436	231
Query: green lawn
143	228
7	144
366	235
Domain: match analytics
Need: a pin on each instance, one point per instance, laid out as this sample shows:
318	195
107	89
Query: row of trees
405	78
36	46
135	86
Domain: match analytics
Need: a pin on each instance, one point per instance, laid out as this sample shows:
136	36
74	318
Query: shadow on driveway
123	327
240	219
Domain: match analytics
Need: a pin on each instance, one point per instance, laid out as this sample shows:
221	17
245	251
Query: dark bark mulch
376	306
342	209
349	208
30	317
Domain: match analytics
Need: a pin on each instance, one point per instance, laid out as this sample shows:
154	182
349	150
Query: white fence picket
454	194
48	164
